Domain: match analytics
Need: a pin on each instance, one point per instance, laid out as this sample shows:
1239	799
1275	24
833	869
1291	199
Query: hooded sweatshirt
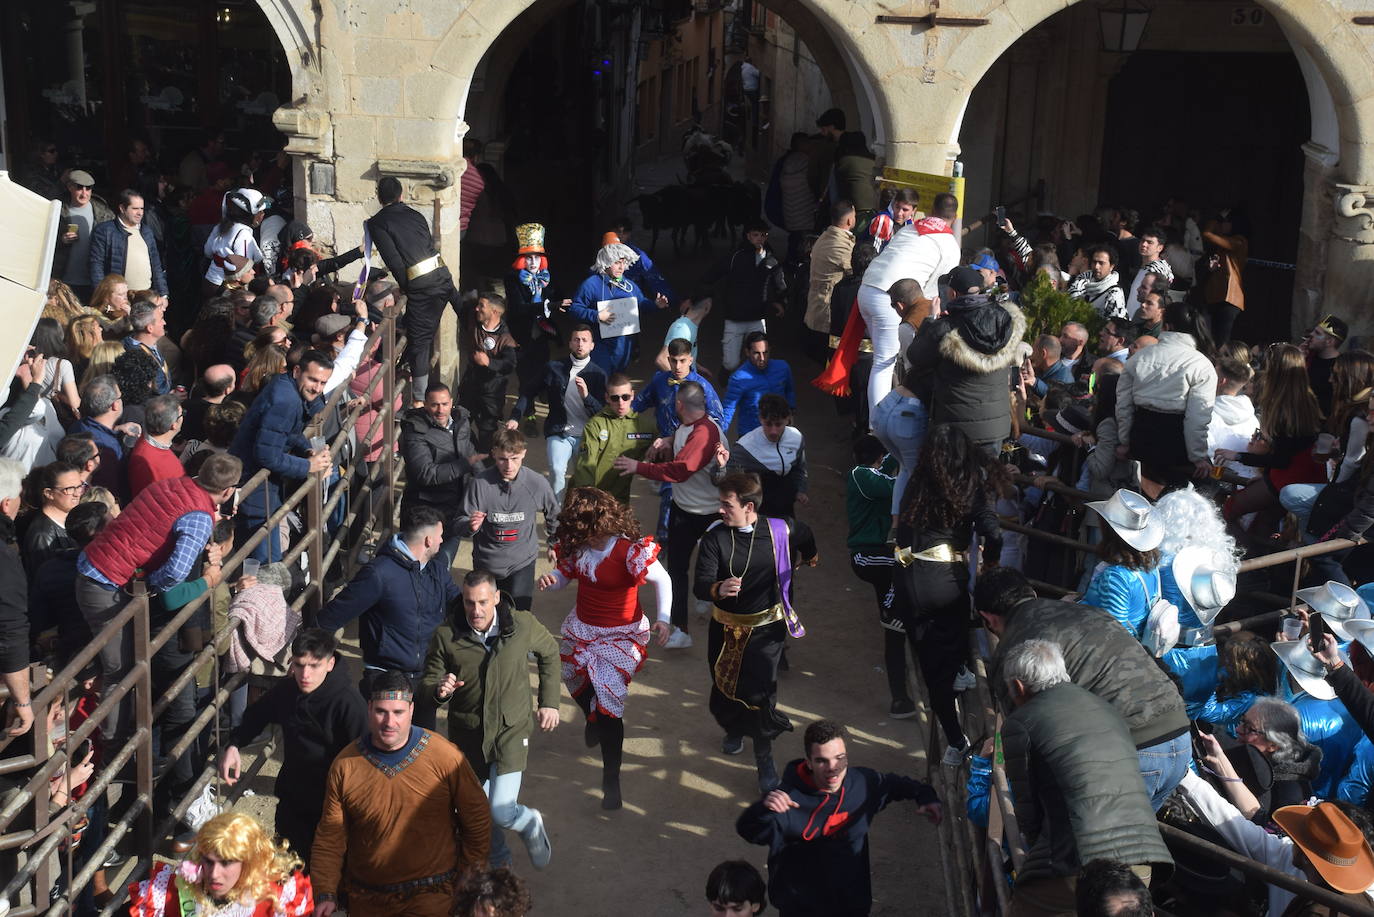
818	852
1233	423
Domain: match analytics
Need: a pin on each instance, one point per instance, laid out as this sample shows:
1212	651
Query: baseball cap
964	278
986	262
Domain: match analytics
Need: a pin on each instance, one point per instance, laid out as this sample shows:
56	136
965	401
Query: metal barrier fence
973	858
47	859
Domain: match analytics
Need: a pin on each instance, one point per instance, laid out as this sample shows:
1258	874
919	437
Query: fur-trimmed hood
983	334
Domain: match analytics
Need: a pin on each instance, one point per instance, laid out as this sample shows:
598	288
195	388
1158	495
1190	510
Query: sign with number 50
1247	15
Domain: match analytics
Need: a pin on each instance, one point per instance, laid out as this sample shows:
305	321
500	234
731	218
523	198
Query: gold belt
939	554
420	269
865	345
729	619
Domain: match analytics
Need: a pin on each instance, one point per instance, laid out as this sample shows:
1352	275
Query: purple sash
782	556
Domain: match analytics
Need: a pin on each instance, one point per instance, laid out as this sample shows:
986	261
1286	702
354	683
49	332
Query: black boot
612	732
590	734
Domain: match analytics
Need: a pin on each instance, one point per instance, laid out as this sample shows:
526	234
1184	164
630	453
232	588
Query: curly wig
610	254
235	836
589	515
1189	518
136	374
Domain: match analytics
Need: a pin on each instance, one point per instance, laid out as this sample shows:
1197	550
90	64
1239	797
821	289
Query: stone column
1314	234
1349	283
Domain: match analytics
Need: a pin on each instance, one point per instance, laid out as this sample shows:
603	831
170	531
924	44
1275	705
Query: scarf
1092	288
535	282
835	379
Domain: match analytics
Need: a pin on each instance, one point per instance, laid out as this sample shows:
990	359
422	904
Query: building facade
1019	90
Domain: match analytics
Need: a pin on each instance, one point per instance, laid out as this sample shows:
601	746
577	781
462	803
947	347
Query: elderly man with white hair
14	611
1073	771
607	284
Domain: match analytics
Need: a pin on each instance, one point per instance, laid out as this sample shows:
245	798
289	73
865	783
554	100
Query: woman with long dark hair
950	501
604	637
1290	420
1352	383
1125	582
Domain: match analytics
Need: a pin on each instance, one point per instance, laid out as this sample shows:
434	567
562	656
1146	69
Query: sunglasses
620	397
83	187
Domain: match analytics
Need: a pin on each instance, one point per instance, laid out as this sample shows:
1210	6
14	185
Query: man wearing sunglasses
82	211
615	431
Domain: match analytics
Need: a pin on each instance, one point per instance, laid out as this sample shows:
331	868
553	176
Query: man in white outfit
923	251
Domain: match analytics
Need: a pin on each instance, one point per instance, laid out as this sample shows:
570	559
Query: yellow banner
927	184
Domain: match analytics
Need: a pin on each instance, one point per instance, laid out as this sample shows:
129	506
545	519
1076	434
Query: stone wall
381	88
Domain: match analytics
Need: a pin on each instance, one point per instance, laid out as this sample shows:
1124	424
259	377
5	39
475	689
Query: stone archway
1335	262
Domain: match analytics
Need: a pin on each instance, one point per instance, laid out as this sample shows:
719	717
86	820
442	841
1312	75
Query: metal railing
132	764
972	856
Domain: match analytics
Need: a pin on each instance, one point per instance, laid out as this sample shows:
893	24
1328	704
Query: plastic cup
251	567
1292	628
317	444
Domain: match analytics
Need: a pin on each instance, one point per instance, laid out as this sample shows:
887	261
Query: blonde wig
234	836
1189	518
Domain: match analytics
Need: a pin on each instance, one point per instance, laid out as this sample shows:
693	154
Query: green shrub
1048	310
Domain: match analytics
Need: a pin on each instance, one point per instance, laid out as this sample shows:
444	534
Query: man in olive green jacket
478	668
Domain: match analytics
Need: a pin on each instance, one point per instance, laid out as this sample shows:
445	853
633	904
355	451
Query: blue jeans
502	792
561	449
1299	499
1163	766
899	421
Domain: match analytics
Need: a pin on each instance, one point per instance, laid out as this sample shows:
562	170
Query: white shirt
572	400
748	77
922	258
238	240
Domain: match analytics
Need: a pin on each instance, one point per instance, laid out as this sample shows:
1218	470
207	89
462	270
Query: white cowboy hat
1305	668
1129	514
1207	590
1363	631
1338	604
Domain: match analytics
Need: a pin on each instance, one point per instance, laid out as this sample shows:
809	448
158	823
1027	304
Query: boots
612	732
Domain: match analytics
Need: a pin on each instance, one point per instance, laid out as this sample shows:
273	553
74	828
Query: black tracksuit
818	852
315	728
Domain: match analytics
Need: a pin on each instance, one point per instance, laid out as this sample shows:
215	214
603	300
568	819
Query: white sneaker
954	756
965	680
537	842
680	640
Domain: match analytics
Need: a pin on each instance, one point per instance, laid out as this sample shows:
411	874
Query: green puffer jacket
1102	658
490	717
1076	780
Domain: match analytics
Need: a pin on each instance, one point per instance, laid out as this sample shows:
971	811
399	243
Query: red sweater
147	463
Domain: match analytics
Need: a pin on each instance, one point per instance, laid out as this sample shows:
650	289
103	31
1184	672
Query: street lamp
1123	23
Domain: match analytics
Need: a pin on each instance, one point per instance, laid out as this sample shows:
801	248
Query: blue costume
1196	666
1327	726
1124	594
1360	778
611	354
1222	712
644	275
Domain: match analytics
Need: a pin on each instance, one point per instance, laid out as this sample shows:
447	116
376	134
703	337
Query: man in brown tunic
405	810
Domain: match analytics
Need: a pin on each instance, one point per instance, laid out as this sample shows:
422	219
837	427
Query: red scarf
835	379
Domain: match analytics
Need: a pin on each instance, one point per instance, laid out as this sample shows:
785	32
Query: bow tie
672	381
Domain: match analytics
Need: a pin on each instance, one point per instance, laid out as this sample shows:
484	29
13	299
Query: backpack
1161	630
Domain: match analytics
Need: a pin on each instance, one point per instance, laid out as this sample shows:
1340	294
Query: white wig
1189	518
610	254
